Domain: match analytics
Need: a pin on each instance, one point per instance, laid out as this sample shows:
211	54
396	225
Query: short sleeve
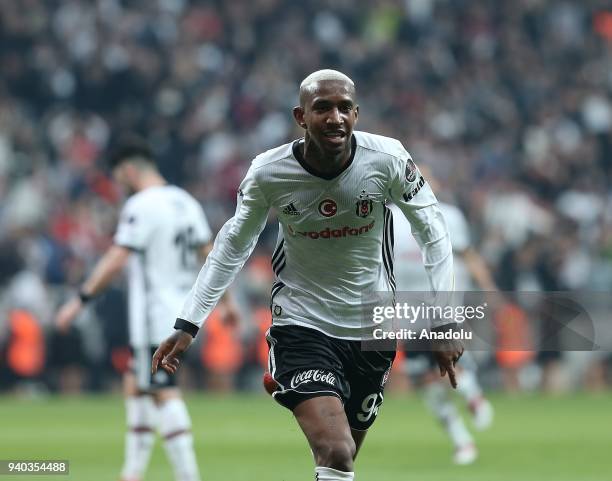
135	226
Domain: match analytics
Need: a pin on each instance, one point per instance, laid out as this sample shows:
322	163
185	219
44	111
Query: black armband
85	298
186	326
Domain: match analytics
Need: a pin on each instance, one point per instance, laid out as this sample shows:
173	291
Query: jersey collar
297	153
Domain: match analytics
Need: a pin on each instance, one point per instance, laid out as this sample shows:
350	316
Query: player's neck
150	179
320	162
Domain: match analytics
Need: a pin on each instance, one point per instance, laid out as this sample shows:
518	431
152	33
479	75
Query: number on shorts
369	407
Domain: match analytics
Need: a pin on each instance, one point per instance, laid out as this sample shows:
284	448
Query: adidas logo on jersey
290	210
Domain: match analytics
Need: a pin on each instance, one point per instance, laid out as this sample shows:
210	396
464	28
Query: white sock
436	398
329	474
468	387
140	436
175	429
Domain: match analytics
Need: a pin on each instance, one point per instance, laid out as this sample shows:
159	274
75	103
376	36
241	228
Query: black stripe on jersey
279	264
278	258
391	246
278	249
277	286
387	246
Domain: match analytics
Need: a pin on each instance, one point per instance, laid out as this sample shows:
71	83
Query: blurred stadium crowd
509	104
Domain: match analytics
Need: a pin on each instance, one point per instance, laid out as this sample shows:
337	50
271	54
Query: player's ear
356	113
298	115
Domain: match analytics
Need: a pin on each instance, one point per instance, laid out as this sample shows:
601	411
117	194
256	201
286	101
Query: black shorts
140	366
306	364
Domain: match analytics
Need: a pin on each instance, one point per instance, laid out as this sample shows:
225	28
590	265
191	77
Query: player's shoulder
277	154
146	196
174	191
381	144
152	198
137	201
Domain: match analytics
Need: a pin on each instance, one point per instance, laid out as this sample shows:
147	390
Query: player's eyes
326	108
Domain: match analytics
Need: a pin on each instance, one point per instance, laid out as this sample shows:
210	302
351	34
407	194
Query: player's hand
167	354
447	352
67	314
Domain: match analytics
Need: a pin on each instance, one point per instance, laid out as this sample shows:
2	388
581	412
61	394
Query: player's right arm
133	232
233	246
112	263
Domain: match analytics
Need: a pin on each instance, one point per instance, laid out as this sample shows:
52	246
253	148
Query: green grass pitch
250	438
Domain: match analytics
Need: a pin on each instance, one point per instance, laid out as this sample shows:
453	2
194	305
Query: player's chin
334	147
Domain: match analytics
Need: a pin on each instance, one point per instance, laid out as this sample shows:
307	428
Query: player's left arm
410	191
105	270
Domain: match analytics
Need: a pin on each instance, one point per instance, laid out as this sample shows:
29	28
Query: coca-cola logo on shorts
313	375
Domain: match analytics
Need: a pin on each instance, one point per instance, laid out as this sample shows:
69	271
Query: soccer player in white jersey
162	236
410	276
334	245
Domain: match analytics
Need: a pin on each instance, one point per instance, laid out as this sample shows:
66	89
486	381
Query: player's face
122	175
329	115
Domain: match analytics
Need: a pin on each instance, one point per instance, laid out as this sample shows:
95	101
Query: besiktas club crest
363	208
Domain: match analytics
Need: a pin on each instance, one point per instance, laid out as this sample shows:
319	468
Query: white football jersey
164	226
410	274
335	241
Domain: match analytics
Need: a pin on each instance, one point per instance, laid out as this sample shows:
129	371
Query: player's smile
335	137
